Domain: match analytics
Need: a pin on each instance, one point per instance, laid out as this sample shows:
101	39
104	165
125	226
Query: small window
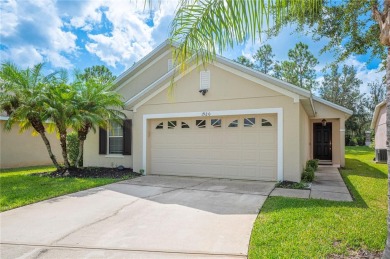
249	122
115	139
160	125
172	124
184	125
201	123
265	123
216	123
233	124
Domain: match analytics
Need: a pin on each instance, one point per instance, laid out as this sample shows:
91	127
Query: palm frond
204	27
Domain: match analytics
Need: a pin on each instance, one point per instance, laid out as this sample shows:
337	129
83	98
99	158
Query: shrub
73	148
313	163
308	174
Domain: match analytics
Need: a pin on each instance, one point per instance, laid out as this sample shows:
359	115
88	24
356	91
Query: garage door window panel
249	122
160	125
201	124
233	124
216	123
184	125
266	123
172	124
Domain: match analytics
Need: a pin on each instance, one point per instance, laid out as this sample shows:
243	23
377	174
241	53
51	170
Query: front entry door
322	137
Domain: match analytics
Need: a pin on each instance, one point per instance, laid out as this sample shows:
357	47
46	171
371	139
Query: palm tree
95	105
21	99
58	100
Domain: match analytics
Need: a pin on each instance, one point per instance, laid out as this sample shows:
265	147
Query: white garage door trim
278	111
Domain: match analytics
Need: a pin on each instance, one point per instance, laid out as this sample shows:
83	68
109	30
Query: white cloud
365	74
27	56
133	33
33	31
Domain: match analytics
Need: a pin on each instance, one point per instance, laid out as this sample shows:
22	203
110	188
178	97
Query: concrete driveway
147	217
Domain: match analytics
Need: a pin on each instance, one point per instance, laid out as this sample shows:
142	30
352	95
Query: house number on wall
206	113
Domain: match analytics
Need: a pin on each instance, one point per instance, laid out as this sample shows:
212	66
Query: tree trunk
81	148
386	253
64	150
48	147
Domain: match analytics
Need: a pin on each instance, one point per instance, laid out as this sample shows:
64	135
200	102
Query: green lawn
303	228
18	187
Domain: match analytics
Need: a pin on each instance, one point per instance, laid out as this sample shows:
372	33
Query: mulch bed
92	172
293	185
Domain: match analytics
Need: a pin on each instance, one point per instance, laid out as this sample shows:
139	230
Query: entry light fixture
203	91
323	122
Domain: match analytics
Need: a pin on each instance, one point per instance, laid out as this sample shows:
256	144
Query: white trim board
278	111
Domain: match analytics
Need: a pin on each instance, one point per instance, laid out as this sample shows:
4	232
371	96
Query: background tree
264	59
343	88
299	68
101	74
21	98
244	61
376	95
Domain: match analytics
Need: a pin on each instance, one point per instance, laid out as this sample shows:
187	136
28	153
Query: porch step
325	162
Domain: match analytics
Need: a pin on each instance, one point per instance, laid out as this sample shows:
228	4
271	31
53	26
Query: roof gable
376	113
274	84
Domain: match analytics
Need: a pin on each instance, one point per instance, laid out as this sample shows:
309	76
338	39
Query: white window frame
108	141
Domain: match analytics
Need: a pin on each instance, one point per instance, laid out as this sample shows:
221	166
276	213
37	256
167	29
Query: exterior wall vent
204	80
381	155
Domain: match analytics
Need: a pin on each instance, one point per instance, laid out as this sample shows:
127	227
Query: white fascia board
4	118
280	127
376	113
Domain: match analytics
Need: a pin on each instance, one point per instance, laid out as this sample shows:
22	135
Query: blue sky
74	34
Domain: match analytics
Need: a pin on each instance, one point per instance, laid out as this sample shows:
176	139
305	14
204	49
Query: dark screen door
322	137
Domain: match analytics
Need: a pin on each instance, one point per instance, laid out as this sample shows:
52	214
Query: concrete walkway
327	185
147	217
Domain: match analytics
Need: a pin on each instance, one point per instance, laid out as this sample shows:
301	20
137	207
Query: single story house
22	149
222	121
378	124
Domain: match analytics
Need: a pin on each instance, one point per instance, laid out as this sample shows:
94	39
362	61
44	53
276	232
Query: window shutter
127	132
204	80
102	141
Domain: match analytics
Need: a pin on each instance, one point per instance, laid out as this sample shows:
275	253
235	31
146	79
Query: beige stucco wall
227	92
93	158
24	149
380	129
304	135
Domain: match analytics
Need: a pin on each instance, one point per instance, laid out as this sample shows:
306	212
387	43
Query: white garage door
240	147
